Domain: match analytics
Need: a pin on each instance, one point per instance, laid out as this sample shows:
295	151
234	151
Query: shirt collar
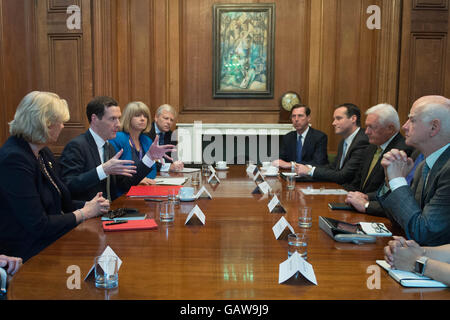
303	135
432	158
350	138
384	145
98	140
157	131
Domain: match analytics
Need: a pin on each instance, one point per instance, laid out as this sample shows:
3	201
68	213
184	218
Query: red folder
151	191
131	225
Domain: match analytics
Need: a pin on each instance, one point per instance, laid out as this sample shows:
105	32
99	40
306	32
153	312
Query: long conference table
233	256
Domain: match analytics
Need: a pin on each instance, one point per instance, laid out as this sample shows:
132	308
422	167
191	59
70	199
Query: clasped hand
396	164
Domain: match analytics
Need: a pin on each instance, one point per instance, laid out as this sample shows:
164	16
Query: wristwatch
420	265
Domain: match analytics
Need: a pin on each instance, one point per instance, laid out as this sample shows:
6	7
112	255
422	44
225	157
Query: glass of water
106	272
298	242
304	217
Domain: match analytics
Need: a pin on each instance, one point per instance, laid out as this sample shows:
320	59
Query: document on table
187	170
323	191
410	279
295	264
170	181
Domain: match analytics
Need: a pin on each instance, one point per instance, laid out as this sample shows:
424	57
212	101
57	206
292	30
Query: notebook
146	224
151	191
410	279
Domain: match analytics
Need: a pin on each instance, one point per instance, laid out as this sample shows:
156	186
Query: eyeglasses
379	227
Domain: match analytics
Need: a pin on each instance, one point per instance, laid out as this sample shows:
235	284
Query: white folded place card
107	252
251	169
203	193
211	169
275	206
294	264
282	229
195	215
262	188
258	177
213	178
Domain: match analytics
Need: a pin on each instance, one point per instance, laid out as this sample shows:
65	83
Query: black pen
116	222
155	200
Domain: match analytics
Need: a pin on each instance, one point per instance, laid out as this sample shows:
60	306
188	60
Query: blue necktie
410	176
299	149
161	138
344	148
425	171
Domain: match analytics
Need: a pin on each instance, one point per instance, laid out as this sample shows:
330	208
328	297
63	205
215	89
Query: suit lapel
93	149
434	173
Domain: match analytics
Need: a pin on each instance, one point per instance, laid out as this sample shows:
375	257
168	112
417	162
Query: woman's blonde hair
35	113
134	109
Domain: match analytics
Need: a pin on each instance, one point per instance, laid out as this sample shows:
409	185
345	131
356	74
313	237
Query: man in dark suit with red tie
89	164
351	149
305	145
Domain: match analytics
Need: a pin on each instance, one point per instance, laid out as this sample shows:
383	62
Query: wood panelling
425	54
160	51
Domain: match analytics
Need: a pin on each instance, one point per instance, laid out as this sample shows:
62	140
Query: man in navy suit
351	149
422	210
383	130
90	165
305	145
161	126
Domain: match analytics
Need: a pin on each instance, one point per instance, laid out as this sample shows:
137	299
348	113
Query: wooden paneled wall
160	51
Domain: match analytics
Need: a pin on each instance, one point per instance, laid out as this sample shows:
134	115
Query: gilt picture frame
243	50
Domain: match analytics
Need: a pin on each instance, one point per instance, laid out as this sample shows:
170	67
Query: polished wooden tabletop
233	256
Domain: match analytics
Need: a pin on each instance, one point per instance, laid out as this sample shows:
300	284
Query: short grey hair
35	113
166	107
386	115
441	111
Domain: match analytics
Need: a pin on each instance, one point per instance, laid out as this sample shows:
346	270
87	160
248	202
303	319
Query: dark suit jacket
376	178
31	212
79	161
353	159
167	140
427	220
314	150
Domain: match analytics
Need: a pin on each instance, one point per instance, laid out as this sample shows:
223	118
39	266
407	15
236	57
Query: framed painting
243	52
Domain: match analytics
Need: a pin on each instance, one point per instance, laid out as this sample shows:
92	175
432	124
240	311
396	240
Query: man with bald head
422	210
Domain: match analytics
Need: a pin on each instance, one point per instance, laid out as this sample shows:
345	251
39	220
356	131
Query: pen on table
150	199
116	222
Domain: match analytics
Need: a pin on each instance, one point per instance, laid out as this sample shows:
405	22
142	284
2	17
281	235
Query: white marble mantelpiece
191	135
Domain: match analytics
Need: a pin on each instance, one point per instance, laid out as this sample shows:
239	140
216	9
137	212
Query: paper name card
107	252
263	188
196	215
211	169
282	229
213	178
275	205
203	193
251	169
258	177
294	264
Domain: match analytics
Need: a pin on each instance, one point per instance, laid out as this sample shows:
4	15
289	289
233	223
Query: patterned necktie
344	149
375	158
299	149
106	157
425	171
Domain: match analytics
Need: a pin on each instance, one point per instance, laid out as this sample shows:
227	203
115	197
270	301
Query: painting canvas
243	50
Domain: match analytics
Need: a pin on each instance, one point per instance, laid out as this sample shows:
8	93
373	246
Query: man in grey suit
422	210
